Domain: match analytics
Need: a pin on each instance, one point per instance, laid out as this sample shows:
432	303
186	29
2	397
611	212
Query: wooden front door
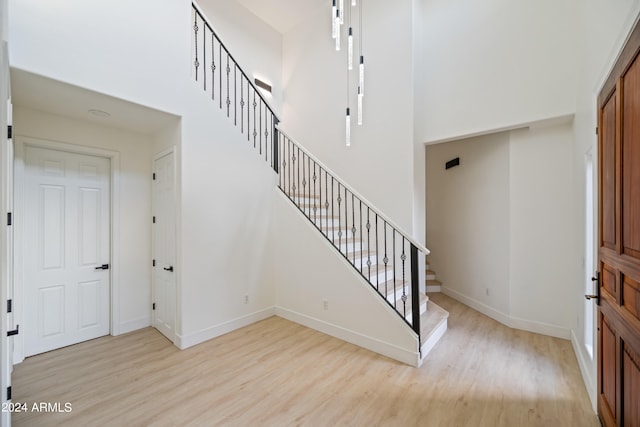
619	241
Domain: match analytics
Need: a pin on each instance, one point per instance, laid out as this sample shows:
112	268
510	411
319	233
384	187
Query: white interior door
66	248
164	243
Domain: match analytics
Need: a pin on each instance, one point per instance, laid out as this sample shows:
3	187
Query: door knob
103	267
591	297
170	268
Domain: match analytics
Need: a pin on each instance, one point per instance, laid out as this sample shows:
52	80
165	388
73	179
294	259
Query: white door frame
6	162
114	265
170	150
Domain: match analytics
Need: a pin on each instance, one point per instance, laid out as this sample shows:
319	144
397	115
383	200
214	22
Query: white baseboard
186	341
134	325
411	358
507	320
590	383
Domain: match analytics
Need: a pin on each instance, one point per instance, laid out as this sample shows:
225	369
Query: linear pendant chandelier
338	14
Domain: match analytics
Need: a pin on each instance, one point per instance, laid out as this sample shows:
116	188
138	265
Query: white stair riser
423	310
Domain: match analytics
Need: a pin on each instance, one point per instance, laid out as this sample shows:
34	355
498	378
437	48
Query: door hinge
596	130
9	132
154	176
153	263
9	306
153	306
154	219
9	218
16	331
9	393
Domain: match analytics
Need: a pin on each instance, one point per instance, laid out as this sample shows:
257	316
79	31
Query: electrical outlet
325	304
246	299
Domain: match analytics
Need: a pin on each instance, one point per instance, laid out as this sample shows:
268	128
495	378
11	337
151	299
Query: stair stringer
309	271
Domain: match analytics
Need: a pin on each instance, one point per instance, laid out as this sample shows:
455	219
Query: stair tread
431	320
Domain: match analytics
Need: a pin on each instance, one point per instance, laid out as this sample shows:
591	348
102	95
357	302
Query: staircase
431	283
383	256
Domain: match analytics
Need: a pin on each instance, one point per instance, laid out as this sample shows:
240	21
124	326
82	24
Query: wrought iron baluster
320	191
377	257
315	200
393	266
326	201
260	126
304	183
196	63
228	72
220	73
242	104
309	182
346	224
385	260
213	66
204	57
369	242
292	165
235	96
298	184
403	257
353	226
255	133
361	253
339	200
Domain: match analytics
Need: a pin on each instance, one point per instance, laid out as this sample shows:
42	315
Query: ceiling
283	15
52	96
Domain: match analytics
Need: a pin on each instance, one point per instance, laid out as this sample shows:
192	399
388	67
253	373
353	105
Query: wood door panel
608	366
608	179
609	280
631	296
631	380
631	162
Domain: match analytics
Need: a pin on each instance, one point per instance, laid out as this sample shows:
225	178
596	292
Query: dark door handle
597	295
103	267
170	268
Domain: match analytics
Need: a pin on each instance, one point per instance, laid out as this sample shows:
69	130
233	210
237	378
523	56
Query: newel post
415	289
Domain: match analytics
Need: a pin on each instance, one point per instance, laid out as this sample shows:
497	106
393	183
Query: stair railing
231	88
384	255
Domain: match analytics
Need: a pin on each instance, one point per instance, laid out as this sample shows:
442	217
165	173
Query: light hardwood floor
278	373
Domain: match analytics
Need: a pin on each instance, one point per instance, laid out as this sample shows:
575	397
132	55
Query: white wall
379	163
494	64
468	219
308	271
255	45
226	211
131	50
542	262
500	225
121	49
135	200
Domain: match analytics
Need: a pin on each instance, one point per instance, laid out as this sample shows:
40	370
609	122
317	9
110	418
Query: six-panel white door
164	244
67	241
